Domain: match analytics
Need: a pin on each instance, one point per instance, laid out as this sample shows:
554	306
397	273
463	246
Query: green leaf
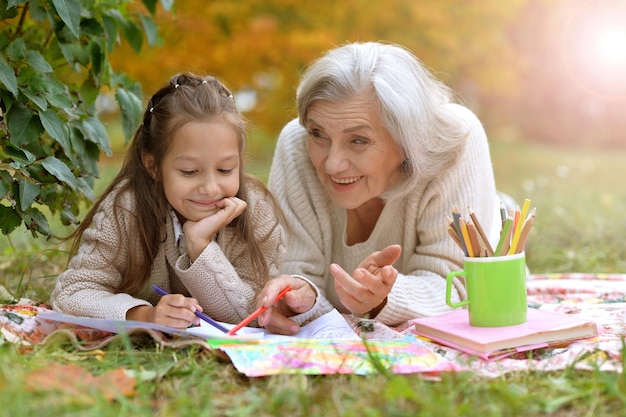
51	84
16	51
37	61
67	216
54	91
5	184
95	131
54	126
150	5
18	154
40	101
75	53
9	12
97	57
28	193
60	101
37	11
4	41
9	219
60	171
86	188
133	34
130	109
24	127
151	30
69	12
12	3
89	92
123	81
167	4
91	27
90	162
35	221
7	76
7	100
110	27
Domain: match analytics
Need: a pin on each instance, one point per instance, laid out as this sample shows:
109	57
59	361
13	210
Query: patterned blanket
599	297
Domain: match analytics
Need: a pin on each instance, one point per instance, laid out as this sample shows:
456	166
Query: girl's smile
201	168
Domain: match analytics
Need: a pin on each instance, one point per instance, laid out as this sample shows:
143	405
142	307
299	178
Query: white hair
413	104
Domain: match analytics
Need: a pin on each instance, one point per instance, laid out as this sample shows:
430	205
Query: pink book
543	329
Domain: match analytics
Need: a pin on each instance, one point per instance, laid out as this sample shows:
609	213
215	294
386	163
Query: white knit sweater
222	278
417	222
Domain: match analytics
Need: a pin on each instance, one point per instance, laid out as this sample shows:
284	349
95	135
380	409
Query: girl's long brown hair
186	98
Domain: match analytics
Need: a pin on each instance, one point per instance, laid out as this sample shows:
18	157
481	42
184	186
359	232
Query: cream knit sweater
417	222
221	278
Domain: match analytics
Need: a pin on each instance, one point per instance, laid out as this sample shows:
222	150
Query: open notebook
329	326
327	345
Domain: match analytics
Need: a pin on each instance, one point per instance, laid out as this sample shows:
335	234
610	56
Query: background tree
54	62
262	46
533	70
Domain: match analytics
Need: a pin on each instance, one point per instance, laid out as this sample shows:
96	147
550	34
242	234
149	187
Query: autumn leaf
75	381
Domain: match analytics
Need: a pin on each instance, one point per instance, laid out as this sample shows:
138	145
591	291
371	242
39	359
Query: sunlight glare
611	43
594	47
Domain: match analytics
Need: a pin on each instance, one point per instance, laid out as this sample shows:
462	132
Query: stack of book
543	329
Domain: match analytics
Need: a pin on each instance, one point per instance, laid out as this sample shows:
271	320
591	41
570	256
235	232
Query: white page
332	325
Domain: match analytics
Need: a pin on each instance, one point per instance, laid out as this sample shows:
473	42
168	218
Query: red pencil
257	313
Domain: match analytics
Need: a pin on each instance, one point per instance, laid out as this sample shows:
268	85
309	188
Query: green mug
496	290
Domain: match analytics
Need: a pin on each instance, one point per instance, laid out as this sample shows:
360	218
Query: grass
580	204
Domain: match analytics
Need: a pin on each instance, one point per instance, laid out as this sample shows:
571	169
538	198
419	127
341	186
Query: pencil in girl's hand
257	313
202	316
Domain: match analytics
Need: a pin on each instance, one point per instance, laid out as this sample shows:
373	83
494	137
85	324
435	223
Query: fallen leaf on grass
79	383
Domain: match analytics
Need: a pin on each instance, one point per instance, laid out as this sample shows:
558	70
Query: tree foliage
508	60
264	45
54	62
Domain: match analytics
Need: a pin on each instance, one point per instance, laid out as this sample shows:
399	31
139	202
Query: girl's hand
173	310
367	289
198	234
300	299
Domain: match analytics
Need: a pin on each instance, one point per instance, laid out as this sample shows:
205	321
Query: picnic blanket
599	297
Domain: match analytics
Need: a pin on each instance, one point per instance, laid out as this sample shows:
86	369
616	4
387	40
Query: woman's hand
367	289
173	310
301	298
198	234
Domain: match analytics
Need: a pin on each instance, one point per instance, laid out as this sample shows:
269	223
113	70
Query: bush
54	62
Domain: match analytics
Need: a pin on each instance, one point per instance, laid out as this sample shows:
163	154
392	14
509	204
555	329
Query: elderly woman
367	176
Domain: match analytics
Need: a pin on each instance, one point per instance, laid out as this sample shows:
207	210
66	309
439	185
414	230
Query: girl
180	214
